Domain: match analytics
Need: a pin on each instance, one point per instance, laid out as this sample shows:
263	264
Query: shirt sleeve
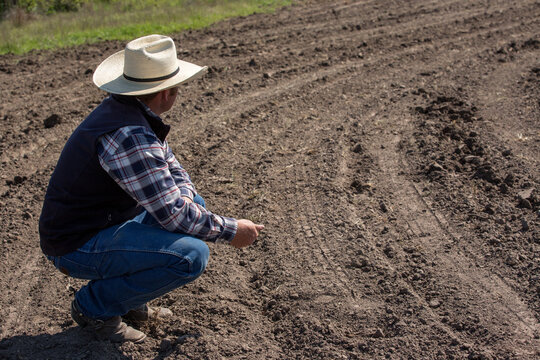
141	165
180	176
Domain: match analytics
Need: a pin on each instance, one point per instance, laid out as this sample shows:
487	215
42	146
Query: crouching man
119	209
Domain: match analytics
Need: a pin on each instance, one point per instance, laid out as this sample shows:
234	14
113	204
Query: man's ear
165	94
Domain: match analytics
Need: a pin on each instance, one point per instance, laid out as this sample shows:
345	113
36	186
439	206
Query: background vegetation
47	24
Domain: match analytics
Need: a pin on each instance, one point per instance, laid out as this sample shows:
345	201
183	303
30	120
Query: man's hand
246	233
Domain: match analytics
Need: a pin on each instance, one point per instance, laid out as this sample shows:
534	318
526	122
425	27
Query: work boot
112	329
145	313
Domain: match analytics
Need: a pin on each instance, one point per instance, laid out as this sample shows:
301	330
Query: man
119	209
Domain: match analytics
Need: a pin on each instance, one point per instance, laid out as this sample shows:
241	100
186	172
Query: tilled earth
391	148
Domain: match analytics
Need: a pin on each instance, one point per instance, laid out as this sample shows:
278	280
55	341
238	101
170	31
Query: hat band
153	79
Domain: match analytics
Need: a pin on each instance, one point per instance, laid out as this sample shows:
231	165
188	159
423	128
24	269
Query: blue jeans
132	263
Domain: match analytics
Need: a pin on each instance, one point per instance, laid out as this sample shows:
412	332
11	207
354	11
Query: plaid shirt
147	170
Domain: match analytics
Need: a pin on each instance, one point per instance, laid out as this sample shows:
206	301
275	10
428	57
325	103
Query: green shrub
41	6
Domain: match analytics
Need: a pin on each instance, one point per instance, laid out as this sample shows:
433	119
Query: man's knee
199	255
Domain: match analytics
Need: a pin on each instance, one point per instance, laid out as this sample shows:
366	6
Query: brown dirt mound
391	149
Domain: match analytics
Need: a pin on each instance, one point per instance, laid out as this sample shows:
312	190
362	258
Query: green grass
120	20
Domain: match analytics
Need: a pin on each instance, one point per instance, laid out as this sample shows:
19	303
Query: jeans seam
164	252
152	294
190	268
161	252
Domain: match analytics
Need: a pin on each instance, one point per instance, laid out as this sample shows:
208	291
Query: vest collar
156	123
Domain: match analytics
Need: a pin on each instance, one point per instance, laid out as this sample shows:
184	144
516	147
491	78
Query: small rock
489	209
267	75
384	207
525	204
18	179
507	152
360	187
510	179
88	71
434	303
378	334
358	148
277	316
476	160
525	194
418	275
404	291
511	260
252	62
165	345
486	172
183	338
389	251
400	324
524	225
294	296
52	121
435	167
494	242
271	304
27	216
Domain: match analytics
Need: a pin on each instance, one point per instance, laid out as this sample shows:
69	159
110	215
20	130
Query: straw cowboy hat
147	65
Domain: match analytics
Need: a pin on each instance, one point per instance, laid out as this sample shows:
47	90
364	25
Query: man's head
148	65
160	102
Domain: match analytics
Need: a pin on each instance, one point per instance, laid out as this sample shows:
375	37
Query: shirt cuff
185	192
229	230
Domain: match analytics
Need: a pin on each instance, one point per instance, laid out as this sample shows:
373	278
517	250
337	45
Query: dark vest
82	198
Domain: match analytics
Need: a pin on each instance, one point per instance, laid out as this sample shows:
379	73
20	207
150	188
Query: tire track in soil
517	314
524	322
430	232
505	84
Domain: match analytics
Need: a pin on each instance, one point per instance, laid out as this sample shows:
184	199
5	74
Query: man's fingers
257	228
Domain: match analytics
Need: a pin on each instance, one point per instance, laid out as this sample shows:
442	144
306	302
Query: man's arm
180	176
137	161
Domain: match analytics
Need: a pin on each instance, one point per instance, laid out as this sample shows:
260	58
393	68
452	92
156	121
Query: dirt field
391	148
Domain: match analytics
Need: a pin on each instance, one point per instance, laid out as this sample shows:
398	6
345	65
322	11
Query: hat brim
109	76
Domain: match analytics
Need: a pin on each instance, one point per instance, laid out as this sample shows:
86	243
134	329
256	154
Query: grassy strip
122	20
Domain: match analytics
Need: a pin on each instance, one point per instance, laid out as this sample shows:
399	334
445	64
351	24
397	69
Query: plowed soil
391	148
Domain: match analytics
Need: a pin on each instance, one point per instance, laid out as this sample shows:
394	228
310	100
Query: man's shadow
72	343
75	343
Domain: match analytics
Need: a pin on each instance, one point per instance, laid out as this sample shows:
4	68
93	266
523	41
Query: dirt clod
52	121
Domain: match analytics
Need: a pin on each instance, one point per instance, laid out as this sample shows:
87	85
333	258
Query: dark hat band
153	79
